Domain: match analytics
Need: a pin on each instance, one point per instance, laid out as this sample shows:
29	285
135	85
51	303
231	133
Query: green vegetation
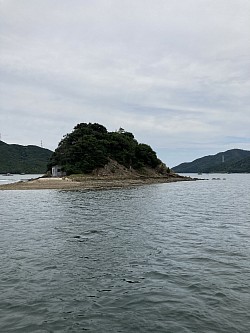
232	161
91	146
23	159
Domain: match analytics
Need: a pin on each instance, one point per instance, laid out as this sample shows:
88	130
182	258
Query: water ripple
160	258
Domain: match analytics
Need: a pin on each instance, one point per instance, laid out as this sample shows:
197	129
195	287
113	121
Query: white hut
57	171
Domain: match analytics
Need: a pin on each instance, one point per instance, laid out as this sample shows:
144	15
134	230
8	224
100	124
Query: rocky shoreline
87	183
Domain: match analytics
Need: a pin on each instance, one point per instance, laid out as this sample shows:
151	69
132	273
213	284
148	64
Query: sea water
157	258
13	178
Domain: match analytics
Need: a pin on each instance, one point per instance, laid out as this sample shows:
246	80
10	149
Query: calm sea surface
158	258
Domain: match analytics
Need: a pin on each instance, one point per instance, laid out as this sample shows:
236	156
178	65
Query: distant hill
23	159
234	160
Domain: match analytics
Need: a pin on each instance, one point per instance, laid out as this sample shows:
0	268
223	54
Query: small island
92	158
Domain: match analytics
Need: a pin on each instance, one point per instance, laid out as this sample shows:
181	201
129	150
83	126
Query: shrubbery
90	146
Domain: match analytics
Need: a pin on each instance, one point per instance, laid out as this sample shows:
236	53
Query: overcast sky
175	73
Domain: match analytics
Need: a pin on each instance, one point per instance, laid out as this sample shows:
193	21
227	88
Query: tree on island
91	146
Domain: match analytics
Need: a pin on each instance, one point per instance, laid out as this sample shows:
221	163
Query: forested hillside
234	160
23	159
91	146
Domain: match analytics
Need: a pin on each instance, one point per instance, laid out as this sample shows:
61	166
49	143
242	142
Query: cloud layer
175	73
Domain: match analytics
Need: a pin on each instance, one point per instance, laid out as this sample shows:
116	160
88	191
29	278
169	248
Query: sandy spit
87	183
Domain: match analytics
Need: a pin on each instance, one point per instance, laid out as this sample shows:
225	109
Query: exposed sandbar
88	183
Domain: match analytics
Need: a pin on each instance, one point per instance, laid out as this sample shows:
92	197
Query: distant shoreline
88	183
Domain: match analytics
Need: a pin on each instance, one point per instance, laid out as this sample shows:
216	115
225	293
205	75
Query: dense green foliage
23	159
90	146
234	160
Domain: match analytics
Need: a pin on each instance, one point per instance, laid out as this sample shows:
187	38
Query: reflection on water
158	258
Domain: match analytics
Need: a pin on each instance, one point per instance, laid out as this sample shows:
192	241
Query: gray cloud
175	73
